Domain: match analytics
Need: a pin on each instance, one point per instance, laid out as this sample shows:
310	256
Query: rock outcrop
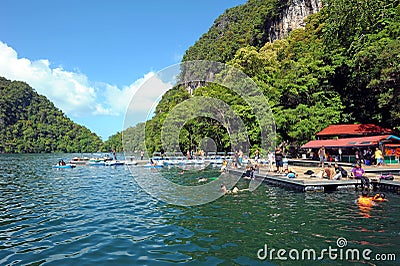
290	18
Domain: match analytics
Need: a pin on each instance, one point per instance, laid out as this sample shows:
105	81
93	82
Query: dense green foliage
344	67
362	43
240	26
30	123
133	138
114	143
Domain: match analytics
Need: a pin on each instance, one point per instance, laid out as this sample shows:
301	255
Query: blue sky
89	57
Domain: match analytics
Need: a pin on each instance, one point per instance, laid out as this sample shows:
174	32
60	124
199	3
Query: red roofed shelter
346	139
349	142
352	130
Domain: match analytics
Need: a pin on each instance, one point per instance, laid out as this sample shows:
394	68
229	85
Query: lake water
99	215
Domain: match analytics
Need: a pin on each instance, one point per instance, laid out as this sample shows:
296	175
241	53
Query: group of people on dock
366	157
337	172
330	170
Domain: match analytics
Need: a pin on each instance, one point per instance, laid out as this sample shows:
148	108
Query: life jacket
365	201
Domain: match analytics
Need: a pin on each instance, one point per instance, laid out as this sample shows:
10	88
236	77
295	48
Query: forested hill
236	27
251	24
30	123
342	67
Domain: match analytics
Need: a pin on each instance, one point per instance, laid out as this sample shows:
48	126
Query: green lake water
100	216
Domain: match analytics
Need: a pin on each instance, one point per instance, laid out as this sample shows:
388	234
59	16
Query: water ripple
98	215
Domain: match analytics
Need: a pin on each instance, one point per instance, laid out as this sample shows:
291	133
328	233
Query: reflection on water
90	215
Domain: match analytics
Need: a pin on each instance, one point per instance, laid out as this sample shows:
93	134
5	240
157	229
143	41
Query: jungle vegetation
30	123
343	67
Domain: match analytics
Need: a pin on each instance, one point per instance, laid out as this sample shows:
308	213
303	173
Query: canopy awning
348	142
354	129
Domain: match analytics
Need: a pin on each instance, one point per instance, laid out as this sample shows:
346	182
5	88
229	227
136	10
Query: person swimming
365	200
379	197
235	190
202	179
224	189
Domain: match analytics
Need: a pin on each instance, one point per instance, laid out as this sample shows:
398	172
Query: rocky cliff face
290	18
255	23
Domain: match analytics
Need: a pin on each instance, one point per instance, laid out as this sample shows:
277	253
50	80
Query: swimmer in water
223	189
365	200
235	190
202	179
379	197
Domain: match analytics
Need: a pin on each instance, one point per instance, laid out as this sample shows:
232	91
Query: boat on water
171	161
216	160
130	161
113	163
198	161
97	162
155	162
153	165
179	161
79	160
66	166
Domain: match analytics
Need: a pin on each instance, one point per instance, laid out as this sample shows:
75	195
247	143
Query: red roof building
350	142
349	137
352	130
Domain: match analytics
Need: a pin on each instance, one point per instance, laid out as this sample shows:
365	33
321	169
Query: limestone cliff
254	23
291	17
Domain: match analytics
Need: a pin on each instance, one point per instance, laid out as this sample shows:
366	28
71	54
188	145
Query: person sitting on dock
329	172
340	172
291	173
358	173
249	174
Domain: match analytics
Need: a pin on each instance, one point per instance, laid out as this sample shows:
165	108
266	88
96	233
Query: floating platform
304	183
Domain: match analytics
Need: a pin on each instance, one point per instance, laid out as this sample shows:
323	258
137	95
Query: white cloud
73	92
69	91
119	99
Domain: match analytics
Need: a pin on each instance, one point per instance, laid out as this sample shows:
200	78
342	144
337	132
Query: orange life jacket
365	201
